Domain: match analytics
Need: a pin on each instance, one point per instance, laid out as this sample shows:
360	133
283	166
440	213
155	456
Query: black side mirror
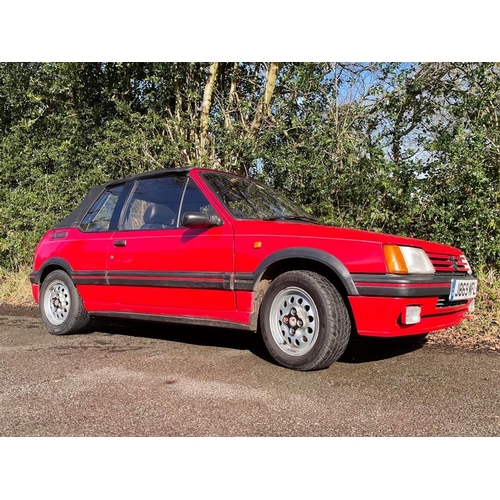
199	219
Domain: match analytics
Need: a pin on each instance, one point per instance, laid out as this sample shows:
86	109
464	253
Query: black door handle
119	243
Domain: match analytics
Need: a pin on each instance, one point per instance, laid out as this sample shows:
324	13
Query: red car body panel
212	274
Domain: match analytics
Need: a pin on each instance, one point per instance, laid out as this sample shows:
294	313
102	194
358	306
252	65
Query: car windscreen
248	199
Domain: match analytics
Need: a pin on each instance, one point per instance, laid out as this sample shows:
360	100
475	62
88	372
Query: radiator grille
444	301
444	263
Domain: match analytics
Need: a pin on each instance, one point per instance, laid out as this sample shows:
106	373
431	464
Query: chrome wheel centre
294	321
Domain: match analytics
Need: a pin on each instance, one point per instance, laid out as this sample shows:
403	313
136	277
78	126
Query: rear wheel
61	306
304	321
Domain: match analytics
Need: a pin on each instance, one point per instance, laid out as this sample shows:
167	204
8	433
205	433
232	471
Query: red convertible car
197	246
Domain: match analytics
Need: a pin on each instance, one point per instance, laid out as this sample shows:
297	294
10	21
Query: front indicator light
472	306
411	315
394	259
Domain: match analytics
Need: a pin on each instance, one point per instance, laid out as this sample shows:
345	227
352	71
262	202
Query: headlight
407	260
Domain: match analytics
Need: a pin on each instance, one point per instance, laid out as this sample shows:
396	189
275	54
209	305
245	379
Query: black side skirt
176	320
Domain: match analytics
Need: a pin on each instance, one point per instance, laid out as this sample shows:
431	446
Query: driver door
158	267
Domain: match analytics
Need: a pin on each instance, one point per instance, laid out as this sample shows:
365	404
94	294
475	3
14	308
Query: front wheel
304	321
61	306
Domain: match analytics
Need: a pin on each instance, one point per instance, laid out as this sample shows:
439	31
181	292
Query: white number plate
463	289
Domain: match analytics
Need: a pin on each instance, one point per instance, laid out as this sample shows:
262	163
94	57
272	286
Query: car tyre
61	306
304	321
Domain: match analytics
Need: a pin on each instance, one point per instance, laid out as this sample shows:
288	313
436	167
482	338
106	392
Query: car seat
158	217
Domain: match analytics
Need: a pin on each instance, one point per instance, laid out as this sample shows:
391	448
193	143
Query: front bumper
380	307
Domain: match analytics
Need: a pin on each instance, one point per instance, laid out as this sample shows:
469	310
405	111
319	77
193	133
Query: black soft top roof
148	175
75	218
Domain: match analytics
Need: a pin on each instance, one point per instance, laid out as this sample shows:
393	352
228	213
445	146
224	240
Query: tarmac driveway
154	380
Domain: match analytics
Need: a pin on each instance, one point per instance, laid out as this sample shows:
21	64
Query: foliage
15	287
481	328
407	148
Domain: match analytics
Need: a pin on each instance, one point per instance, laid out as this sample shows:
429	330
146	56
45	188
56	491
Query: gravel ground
451	337
151	380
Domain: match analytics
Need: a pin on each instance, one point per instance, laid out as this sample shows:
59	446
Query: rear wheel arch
53	265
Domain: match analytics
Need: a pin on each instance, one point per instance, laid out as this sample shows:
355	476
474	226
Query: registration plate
463	289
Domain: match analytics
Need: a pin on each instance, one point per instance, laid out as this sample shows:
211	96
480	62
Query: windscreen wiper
293	217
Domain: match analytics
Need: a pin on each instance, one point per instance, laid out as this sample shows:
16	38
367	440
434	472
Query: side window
154	203
99	216
195	201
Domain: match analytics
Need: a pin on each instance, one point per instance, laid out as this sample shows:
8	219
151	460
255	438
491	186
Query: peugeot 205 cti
197	246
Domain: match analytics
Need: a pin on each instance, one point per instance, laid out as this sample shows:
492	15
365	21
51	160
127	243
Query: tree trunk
205	107
264	106
231	97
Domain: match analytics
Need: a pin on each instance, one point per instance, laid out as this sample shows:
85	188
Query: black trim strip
171	274
188	320
89	278
88	273
242	283
386	291
155	279
166	283
411	279
90	281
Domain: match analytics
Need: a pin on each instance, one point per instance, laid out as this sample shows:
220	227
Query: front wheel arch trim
311	254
